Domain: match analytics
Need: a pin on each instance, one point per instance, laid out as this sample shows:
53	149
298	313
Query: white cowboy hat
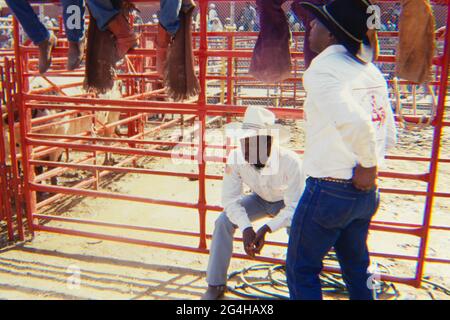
258	121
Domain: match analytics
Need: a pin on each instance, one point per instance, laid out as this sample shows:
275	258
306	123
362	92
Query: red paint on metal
135	110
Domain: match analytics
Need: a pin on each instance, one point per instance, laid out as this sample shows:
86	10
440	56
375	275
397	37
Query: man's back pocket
334	209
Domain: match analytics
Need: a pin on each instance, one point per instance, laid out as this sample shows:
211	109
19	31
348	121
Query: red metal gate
143	98
11	198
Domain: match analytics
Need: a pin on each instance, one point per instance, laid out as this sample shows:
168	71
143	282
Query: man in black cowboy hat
349	126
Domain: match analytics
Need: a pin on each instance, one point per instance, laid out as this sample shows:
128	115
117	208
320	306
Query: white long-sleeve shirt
349	119
281	179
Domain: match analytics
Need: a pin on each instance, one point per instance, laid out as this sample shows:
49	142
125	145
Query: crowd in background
6	36
246	20
6	31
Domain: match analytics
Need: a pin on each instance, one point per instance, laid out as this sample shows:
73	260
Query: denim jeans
330	215
103	11
222	240
34	28
169	15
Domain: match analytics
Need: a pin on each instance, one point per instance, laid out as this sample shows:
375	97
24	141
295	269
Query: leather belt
343	181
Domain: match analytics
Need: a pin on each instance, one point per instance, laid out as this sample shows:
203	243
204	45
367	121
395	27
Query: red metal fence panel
222	59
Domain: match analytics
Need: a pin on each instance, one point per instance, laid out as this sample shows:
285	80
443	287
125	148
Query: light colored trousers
222	240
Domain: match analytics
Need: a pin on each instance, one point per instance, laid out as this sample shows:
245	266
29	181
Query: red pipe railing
134	108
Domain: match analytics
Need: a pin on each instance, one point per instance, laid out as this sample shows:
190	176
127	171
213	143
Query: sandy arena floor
49	266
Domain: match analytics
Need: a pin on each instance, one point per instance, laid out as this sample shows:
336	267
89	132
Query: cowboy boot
163	39
122	30
45	53
75	55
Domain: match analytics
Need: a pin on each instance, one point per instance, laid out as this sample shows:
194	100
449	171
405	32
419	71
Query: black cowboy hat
348	21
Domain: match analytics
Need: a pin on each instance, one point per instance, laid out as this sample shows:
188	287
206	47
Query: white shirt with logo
349	119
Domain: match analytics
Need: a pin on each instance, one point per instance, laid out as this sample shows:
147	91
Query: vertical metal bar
230	74
12	140
6	204
296	76
2	201
61	26
435	151
230	84
202	122
25	124
2	150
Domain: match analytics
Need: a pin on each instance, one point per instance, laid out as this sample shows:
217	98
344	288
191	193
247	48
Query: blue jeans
103	11
34	28
169	15
330	215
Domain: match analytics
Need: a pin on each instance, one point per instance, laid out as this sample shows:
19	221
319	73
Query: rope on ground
268	282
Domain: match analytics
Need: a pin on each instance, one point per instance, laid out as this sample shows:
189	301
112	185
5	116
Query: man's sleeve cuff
276	224
244	223
368	162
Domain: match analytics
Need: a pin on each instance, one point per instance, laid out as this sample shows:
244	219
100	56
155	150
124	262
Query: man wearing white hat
274	176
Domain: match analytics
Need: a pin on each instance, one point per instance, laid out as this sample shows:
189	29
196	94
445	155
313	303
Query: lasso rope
273	285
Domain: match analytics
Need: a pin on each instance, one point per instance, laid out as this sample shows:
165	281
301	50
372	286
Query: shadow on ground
55	276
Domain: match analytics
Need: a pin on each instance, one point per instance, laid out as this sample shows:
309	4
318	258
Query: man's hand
249	241
260	238
365	179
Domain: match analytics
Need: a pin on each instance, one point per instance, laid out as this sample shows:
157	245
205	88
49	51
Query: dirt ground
55	266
